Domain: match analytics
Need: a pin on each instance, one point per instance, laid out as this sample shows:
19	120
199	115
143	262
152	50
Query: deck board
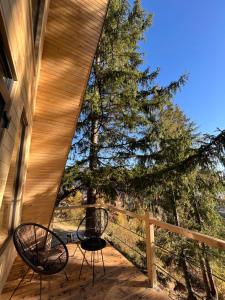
121	281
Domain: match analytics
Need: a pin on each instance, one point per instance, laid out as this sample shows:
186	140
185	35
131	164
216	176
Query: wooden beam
190	234
150	251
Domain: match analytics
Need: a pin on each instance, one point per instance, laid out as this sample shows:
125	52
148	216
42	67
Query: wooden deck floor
121	281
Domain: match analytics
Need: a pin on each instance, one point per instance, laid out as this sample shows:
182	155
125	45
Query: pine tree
186	196
116	109
109	112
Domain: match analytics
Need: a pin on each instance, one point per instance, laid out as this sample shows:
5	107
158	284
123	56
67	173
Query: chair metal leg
82	264
40	285
83	254
74	251
93	268
32	276
103	262
65	275
21	280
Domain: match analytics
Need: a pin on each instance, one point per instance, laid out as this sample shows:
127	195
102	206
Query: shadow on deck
121	281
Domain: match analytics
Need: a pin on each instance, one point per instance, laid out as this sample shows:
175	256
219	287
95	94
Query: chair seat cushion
93	244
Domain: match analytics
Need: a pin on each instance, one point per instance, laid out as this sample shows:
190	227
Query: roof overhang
72	34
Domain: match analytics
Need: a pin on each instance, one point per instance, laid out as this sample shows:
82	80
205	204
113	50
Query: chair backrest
40	248
93	224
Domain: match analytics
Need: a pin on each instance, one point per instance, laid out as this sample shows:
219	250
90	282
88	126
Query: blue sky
188	36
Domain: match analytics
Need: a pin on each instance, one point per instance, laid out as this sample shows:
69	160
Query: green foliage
133	140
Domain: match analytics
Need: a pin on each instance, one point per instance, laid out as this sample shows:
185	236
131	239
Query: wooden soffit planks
72	34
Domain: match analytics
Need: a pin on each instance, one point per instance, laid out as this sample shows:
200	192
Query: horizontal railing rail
190	234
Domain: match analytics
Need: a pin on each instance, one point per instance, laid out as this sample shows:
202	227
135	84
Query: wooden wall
49	96
17	20
72	33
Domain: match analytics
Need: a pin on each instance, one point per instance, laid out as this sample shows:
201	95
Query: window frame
5	88
4	94
7	50
39	21
18	182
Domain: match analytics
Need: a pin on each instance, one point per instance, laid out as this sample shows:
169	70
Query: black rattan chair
41	249
89	232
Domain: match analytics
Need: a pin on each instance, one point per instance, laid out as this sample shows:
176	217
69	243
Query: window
7	71
37	14
2	109
36	4
4	106
7	76
4	120
11	203
4	64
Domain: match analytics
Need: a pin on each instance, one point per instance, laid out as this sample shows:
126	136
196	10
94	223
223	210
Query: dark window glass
18	177
4	120
2	106
4	63
36	7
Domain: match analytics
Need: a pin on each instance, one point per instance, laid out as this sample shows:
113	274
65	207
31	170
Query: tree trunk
204	275
187	277
183	262
91	191
210	287
213	290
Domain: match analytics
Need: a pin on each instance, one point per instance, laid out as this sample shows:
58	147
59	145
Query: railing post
150	251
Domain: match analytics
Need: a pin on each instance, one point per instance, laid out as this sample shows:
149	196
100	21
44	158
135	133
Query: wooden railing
150	224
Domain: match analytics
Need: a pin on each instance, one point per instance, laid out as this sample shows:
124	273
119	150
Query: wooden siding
72	34
16	16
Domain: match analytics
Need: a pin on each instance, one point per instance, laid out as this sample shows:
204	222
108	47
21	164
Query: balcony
123	280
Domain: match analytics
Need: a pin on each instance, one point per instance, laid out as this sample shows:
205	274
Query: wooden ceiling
72	34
